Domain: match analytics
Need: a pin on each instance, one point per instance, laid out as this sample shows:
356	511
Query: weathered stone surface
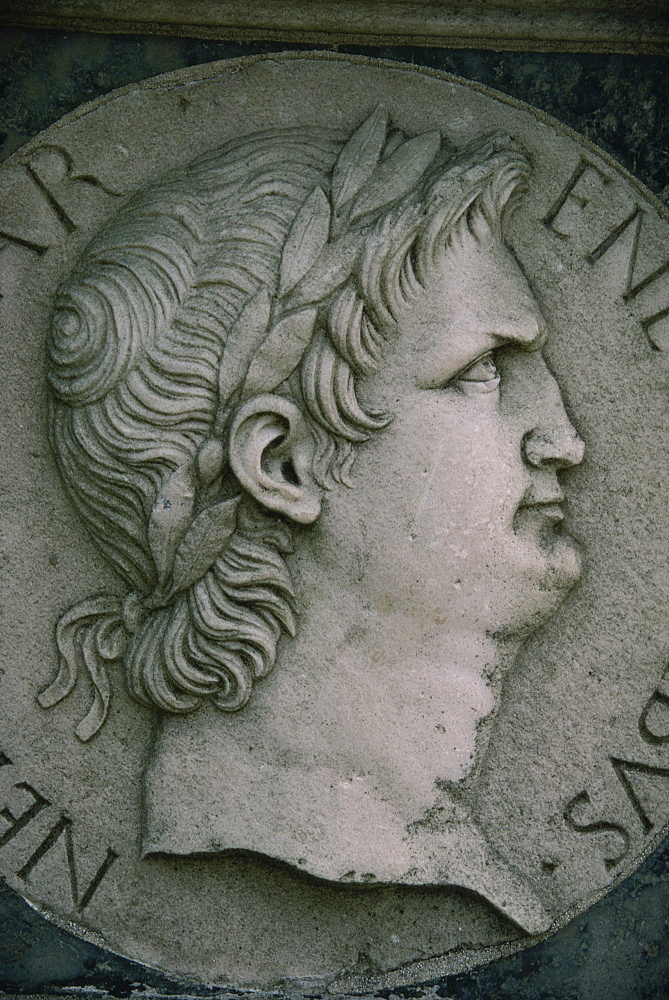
347	762
617	101
552	25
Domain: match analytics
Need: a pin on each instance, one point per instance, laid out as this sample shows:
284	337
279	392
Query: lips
545	506
549	496
551	509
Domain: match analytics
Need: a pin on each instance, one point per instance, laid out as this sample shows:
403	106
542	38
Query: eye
481	376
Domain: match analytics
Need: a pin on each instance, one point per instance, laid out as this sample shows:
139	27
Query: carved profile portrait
299	401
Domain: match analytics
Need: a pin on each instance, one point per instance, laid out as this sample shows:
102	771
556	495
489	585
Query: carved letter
648	280
569	192
20	241
18	822
632	290
647	734
635	216
65	167
64	826
622	767
649	321
54	204
4	759
600	826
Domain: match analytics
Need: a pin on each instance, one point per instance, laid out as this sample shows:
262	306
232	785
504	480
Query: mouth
539	526
540	513
549	509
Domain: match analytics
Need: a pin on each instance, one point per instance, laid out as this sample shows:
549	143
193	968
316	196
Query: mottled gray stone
588	180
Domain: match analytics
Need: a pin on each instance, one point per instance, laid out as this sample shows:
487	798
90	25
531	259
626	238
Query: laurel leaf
358	158
396	175
203	543
395	139
246	333
210	460
307	237
280	353
171	514
332	269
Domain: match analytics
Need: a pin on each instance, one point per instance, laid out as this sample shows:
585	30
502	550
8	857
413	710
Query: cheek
433	494
471	479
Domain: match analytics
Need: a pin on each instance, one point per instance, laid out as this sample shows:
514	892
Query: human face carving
455	519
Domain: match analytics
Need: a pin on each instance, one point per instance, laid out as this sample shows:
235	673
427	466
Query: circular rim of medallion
461	958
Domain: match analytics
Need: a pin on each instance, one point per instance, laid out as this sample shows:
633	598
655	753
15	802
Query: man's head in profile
300	402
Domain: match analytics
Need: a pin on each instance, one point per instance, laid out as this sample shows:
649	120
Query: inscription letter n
632	288
63	828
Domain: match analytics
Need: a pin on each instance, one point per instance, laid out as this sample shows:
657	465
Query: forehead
477	300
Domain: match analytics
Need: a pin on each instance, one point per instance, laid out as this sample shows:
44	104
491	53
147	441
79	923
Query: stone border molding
628	26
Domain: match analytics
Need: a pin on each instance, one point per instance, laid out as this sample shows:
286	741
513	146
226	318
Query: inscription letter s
657	700
598	826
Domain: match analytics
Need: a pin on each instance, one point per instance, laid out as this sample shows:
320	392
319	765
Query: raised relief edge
205	72
451	963
509	25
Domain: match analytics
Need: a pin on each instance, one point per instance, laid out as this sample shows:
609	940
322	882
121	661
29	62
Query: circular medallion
334	641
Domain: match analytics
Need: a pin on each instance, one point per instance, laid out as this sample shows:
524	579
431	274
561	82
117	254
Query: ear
271	451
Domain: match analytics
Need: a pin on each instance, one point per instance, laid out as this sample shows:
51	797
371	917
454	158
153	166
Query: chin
564	562
551	567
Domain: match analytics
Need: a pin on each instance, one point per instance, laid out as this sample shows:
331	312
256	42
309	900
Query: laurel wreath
268	339
186	531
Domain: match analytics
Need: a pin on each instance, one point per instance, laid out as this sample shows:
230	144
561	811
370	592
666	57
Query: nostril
558	451
538	449
577	450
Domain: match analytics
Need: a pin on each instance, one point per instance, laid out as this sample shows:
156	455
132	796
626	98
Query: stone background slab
619	950
543	25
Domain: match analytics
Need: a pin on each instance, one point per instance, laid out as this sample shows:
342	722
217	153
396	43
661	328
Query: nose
558	447
551	441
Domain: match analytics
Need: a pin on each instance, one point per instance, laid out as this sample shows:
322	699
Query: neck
366	692
343	762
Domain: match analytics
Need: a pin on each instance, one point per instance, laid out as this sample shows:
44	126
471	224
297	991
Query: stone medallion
334	628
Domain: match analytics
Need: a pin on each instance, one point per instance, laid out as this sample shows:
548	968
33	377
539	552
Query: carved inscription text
62	829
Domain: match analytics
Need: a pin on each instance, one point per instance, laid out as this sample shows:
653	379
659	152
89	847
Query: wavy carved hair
135	350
